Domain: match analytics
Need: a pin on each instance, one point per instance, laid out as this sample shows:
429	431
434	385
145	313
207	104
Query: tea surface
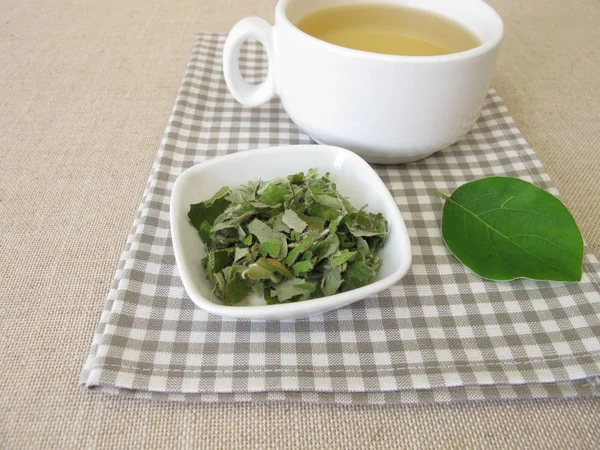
389	29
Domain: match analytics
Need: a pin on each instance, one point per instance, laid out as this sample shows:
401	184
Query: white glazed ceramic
354	178
387	108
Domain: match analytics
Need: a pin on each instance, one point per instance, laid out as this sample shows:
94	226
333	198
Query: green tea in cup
388	29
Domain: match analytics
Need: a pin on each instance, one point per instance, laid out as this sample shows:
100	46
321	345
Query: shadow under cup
387	108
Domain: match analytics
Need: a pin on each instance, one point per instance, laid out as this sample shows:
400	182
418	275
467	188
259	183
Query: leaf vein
531	212
538	237
502	234
514	210
506	201
480	197
498	253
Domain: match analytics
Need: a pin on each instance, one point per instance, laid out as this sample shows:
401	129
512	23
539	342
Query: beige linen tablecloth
85	91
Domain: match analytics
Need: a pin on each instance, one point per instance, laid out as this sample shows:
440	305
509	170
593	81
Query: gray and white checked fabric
442	334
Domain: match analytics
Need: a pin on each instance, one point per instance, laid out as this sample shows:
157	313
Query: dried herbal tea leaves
288	240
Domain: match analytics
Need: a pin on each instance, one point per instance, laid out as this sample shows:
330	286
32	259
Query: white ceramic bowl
355	179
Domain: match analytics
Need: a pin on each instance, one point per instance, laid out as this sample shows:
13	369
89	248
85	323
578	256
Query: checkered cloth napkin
441	334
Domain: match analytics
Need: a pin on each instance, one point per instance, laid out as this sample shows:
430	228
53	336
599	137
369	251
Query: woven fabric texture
440	327
87	88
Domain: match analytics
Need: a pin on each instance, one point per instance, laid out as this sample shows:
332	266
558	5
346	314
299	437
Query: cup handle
244	92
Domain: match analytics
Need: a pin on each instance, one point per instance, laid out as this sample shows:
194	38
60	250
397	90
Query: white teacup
386	108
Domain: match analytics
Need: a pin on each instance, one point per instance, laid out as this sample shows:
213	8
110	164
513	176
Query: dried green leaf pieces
505	228
288	240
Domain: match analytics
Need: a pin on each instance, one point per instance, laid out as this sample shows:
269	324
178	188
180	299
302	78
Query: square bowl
354	178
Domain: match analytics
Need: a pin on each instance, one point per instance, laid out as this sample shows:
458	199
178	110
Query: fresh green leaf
505	228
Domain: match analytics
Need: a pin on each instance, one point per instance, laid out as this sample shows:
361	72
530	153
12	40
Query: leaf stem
441	195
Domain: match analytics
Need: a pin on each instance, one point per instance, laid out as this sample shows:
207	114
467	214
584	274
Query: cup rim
282	19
